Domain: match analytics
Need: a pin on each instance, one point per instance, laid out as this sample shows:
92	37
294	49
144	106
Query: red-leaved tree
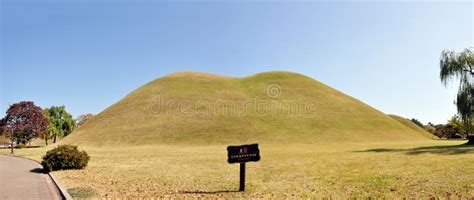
23	122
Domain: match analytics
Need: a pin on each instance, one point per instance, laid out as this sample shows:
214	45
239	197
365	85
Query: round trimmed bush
65	157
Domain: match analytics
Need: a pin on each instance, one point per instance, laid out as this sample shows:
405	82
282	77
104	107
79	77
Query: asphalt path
21	178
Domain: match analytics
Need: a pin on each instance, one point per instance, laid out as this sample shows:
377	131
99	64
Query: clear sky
88	54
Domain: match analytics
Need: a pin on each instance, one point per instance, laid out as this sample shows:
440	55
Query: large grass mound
413	126
271	107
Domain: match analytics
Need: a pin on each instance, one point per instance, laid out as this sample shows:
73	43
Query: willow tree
61	123
460	67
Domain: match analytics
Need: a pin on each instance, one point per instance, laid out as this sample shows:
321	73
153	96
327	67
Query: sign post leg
242	177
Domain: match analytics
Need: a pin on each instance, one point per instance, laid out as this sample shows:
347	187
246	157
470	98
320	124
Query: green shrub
65	157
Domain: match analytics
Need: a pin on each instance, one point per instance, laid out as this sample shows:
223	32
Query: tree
51	131
430	128
457	123
61	122
446	131
417	122
23	122
83	119
460	66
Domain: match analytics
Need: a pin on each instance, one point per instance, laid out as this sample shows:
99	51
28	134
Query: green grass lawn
399	169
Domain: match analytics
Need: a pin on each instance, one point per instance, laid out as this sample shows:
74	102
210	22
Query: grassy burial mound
413	126
270	107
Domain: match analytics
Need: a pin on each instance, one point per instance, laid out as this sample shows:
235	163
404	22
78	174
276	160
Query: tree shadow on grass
32	147
209	192
444	150
25	147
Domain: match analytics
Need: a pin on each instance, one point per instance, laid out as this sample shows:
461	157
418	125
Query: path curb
64	194
63	191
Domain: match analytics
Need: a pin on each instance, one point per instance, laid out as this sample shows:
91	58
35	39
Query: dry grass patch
401	169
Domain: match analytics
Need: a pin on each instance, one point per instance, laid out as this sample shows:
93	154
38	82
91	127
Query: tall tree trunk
470	139
46	140
11	140
54	140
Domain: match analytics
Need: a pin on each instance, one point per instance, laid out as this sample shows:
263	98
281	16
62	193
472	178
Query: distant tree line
25	121
418	123
82	119
453	129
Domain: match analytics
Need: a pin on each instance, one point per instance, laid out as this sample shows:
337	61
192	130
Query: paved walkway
21	178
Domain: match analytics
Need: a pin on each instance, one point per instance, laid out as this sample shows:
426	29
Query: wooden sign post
242	154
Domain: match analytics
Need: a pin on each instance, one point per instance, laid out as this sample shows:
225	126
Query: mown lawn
401	169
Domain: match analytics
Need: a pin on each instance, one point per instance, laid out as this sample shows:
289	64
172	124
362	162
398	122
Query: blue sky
87	55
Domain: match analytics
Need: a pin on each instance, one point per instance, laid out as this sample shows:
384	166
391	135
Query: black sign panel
242	154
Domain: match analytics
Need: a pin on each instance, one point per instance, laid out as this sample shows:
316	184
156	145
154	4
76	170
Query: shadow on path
38	170
209	192
25	180
446	150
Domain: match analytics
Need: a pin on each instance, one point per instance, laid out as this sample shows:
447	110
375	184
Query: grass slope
307	156
209	100
413	126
